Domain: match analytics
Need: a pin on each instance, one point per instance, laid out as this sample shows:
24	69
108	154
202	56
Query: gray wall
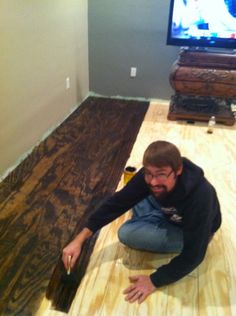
130	33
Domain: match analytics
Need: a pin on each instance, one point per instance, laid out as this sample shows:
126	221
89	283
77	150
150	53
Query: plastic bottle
211	123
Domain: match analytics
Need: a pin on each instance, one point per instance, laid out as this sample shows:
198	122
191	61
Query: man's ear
179	171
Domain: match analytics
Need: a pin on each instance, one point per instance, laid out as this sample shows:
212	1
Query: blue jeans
149	230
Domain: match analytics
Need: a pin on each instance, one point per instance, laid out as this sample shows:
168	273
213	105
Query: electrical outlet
67	83
133	72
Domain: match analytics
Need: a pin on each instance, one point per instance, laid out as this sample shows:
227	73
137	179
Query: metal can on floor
129	172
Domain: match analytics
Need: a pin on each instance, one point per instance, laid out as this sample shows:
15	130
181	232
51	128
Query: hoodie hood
185	184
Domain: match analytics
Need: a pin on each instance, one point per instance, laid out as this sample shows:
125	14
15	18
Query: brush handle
68	265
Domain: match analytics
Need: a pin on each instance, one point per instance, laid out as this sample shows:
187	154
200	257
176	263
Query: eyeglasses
160	176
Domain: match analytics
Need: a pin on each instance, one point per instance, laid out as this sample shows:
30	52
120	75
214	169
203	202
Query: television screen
203	23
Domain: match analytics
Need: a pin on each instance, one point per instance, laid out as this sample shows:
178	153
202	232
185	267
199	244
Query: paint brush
68	284
65	281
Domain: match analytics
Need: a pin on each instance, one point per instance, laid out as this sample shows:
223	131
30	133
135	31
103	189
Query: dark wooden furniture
205	85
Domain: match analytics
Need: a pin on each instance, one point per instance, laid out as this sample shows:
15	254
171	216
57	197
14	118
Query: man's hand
73	249
140	289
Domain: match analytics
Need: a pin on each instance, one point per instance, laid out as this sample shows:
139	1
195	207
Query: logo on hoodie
172	214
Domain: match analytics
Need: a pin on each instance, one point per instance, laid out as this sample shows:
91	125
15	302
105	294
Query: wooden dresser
204	85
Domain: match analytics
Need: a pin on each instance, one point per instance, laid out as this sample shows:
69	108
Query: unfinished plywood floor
210	289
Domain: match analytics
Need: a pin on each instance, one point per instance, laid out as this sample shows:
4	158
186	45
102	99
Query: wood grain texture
210	290
46	202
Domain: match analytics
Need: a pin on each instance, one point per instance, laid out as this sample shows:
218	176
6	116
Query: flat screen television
202	23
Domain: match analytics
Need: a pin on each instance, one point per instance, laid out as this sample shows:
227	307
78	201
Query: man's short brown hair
162	154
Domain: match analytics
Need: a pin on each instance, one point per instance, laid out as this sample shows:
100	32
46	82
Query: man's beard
159	194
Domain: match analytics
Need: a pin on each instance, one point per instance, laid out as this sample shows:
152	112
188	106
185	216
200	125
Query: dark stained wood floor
44	202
